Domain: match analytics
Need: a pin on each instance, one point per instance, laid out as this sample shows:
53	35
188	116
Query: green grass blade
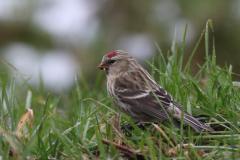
180	61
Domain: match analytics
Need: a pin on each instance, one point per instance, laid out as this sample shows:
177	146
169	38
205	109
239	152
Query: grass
84	124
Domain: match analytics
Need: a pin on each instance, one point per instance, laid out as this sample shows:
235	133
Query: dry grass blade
228	122
120	147
163	134
10	141
63	154
101	104
11	66
112	123
191	153
81	146
23	120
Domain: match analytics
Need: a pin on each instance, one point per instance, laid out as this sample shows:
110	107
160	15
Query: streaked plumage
126	79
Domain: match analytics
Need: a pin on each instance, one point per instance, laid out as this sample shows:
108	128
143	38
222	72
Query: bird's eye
112	61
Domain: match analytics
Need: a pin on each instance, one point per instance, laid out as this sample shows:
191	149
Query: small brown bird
126	79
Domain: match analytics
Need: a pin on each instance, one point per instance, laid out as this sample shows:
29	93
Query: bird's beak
102	66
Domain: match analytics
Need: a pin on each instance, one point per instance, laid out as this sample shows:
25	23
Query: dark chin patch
106	70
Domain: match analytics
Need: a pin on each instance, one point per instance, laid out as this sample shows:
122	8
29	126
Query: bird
138	95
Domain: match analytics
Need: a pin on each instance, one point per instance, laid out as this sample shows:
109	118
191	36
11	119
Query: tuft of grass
84	125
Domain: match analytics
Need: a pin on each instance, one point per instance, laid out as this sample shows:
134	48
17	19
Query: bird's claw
127	128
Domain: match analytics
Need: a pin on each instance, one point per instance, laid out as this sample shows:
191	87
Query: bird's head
117	62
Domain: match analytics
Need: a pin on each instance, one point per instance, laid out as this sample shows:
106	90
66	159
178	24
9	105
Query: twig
232	73
114	128
81	146
101	104
228	122
120	147
210	120
63	154
110	121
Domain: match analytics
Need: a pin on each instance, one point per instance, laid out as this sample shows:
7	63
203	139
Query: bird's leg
126	129
130	127
141	126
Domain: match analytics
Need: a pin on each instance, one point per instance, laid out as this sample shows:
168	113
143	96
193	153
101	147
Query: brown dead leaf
28	114
11	66
172	152
192	153
186	155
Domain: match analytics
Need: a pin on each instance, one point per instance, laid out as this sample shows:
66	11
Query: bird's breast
110	87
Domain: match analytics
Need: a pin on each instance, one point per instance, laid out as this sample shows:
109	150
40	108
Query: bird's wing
176	104
144	100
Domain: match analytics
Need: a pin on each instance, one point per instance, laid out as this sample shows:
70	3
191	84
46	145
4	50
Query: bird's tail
196	124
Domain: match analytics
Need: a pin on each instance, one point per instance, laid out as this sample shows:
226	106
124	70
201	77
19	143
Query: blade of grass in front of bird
102	104
181	130
160	72
136	128
170	118
157	99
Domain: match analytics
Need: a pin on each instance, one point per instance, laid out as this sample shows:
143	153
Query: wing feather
137	94
144	100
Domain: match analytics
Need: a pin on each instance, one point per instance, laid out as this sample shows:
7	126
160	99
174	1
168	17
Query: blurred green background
59	39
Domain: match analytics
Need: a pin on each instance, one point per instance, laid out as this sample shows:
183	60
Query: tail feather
196	124
193	122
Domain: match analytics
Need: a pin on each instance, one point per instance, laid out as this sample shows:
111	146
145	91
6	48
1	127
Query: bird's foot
128	128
